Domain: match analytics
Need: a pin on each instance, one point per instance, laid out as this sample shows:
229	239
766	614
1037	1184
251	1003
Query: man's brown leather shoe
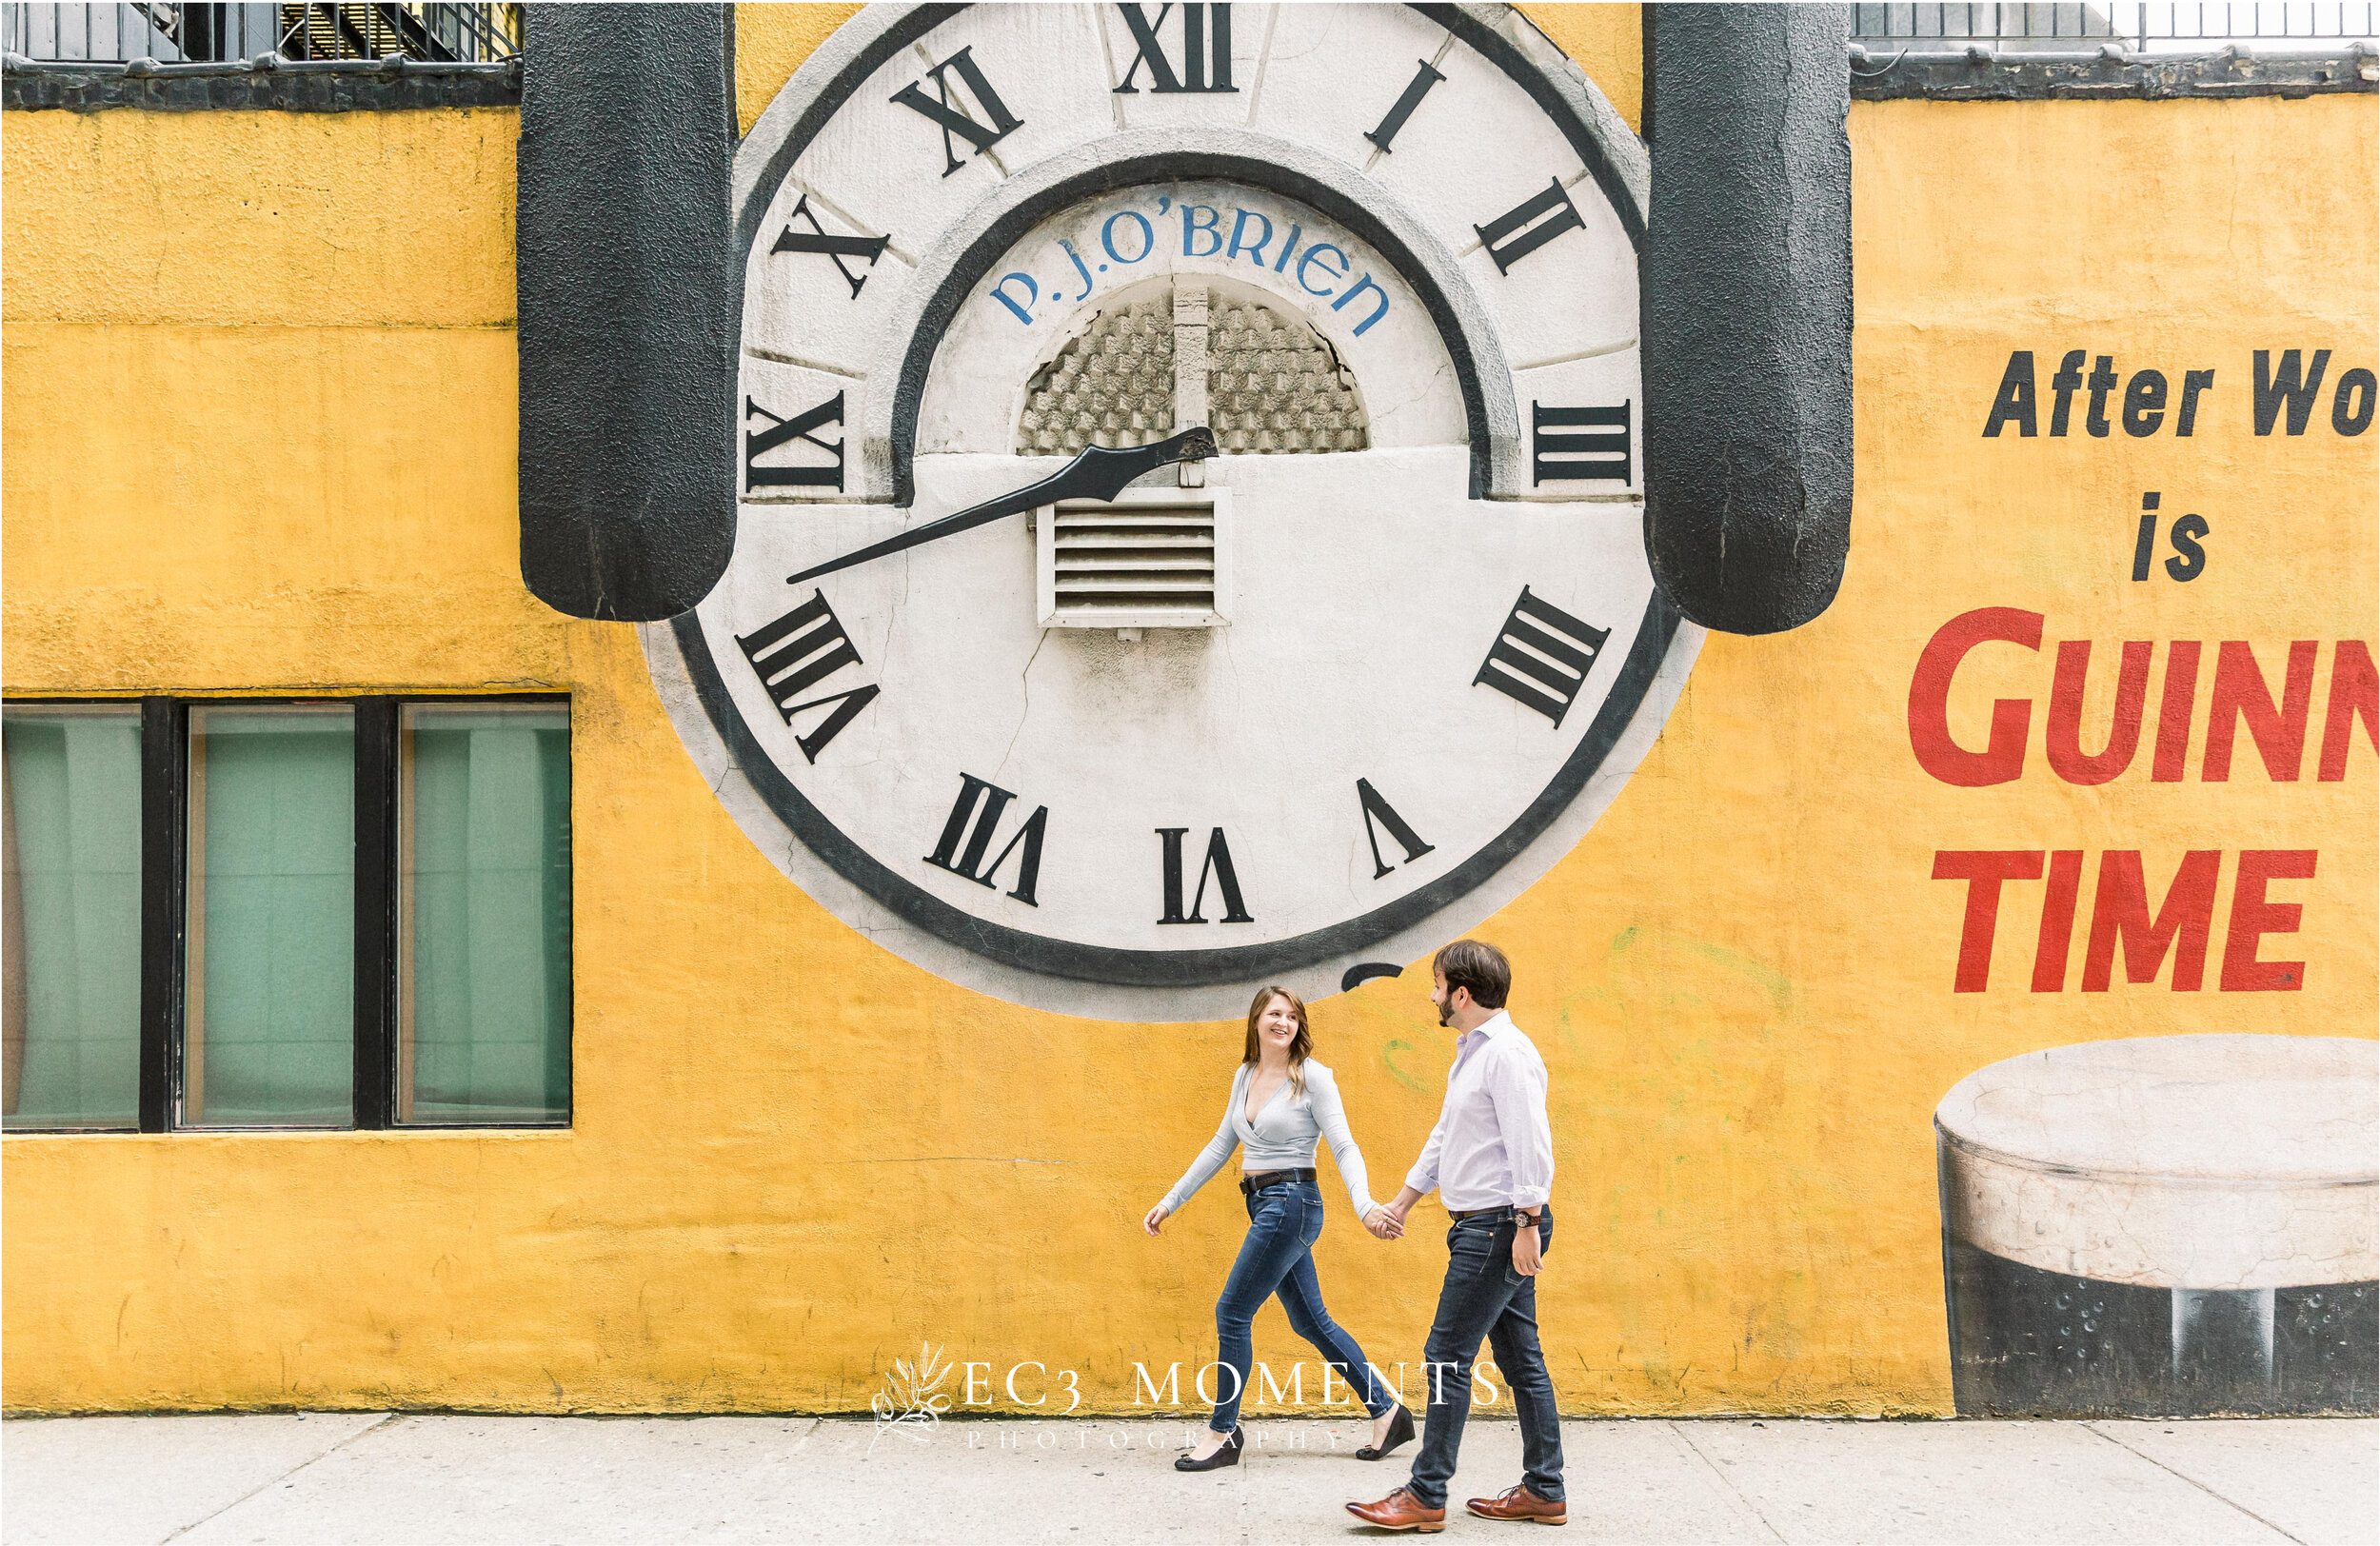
1520	1504
1400	1510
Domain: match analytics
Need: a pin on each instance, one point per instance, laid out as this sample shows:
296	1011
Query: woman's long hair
1301	1047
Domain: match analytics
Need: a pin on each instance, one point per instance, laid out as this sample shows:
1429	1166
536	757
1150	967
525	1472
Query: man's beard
1446	1012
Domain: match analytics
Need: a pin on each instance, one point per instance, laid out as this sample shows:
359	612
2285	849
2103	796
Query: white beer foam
2185	1161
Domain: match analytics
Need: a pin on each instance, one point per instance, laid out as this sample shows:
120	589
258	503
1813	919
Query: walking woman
1281	1102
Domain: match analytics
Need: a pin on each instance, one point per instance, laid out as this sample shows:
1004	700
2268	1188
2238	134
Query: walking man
1491	1155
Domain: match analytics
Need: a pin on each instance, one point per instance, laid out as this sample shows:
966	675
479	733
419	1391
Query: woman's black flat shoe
1399	1432
1228	1454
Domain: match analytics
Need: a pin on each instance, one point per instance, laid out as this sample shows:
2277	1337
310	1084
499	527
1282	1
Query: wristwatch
1528	1219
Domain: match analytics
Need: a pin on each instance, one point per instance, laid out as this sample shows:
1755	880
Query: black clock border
1233	964
910	391
1171	968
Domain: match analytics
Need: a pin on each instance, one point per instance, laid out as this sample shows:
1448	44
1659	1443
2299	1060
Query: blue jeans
1484	1298
1277	1257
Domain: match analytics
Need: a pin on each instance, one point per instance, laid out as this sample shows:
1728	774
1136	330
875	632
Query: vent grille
1274	385
1146	562
1112	386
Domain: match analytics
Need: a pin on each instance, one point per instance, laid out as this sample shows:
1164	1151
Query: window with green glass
268	1008
265	914
72	954
484	913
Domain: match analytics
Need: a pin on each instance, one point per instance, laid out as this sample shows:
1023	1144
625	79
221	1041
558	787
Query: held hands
1384	1223
1153	1218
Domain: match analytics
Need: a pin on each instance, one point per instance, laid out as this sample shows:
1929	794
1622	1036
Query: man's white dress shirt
1493	1147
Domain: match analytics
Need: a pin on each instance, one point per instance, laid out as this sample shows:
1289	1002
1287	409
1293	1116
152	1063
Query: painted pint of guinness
2168	1226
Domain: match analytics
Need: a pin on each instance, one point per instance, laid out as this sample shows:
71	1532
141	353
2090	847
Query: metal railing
2177	27
182	33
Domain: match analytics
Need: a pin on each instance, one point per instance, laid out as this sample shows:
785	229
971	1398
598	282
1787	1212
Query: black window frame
164	872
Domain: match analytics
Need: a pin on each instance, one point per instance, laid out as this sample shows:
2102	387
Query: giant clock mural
1189	464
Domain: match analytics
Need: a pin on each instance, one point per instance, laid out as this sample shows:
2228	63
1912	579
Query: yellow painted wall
260	406
260	426
1606	40
772	39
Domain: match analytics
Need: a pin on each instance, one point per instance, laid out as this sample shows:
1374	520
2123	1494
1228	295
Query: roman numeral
978	827
781	430
1406	836
1559	216
837	247
1199	41
1553	651
1403	110
954	119
796	653
1575	457
1218	865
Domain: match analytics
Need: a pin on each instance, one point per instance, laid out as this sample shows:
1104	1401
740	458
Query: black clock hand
1098	473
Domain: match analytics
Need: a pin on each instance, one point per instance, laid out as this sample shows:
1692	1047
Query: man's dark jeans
1485	1297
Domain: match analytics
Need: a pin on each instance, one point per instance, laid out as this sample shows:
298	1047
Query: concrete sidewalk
324	1479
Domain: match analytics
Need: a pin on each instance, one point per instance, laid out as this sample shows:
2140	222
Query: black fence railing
181	33
2173	27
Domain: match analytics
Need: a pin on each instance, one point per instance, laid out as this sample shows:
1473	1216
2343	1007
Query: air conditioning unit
1153	558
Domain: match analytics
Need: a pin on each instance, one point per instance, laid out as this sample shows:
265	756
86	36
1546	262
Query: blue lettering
1312	255
1206	227
1077	267
1255	249
1148	237
1282	263
1032	294
1377	313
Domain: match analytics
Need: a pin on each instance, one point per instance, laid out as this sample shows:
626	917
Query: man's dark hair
1477	965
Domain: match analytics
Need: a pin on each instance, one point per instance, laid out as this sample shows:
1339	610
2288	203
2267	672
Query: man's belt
1501	1210
1263	1178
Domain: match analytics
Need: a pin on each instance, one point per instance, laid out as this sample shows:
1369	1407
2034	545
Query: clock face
1297	711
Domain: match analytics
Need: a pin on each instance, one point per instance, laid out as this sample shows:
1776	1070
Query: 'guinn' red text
2124	920
2277	722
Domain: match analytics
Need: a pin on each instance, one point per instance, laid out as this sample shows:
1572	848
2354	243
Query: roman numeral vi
974	820
1542	657
1218	865
796	653
954	119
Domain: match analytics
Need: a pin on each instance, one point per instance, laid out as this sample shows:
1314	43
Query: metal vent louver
1154	558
